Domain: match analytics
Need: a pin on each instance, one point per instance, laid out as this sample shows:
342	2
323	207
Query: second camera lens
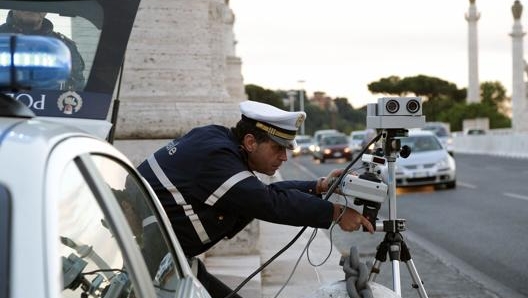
413	106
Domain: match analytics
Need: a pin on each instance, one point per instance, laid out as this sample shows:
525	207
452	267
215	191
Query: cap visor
288	144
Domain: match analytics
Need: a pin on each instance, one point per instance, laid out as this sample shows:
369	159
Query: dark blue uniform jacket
208	192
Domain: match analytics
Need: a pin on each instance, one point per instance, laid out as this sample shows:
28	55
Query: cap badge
299	121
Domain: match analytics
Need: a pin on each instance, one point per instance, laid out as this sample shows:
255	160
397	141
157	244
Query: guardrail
499	142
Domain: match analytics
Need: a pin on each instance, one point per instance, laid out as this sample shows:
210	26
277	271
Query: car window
438	130
142	217
334	140
92	260
5	222
358	137
303	141
421	143
78	34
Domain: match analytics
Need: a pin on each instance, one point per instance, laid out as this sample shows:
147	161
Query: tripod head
391	116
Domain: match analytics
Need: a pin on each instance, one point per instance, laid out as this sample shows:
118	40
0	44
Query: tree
494	95
437	94
391	85
257	93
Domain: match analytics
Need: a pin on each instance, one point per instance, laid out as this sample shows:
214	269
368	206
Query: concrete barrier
500	144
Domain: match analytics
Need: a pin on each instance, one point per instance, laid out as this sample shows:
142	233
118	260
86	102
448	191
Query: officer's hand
350	220
325	183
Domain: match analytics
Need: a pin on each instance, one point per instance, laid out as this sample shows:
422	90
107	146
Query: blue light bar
33	61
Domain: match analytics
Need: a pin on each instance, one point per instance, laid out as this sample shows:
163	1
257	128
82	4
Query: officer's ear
249	142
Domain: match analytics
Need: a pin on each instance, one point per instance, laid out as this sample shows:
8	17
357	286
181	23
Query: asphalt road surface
481	226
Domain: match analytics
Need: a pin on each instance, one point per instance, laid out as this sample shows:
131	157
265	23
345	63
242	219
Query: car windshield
421	143
438	130
303	140
358	137
334	140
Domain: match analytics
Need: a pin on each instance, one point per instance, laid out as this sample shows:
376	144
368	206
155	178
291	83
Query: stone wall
179	71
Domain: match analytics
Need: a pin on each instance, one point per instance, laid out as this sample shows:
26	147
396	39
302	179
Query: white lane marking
516	196
466	185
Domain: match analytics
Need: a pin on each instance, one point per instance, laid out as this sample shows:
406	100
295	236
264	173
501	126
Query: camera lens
413	106
392	106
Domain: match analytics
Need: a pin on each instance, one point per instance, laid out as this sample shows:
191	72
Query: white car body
432	165
76	218
356	140
41	200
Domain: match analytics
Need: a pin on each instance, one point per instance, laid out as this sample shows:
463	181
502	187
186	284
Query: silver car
76	218
428	164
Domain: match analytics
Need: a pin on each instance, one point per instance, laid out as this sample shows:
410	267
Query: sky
340	46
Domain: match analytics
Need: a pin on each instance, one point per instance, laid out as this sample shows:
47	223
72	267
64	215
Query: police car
76	218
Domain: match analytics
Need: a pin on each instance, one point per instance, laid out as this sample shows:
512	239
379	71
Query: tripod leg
416	279
418	284
381	256
396	283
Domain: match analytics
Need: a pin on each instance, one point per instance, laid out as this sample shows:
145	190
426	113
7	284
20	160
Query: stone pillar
234	81
519	124
176	70
472	17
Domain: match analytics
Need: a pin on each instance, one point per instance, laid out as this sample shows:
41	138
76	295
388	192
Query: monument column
234	79
472	17
518	86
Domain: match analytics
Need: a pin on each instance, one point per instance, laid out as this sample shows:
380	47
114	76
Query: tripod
393	244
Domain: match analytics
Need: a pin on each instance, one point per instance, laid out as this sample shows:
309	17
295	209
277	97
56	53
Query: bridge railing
500	142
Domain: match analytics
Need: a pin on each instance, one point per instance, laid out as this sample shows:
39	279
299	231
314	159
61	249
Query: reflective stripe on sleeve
180	200
153	163
226	186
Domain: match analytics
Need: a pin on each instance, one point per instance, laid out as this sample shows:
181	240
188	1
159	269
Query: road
481	226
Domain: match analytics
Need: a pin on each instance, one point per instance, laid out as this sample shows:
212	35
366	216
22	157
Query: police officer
35	23
206	183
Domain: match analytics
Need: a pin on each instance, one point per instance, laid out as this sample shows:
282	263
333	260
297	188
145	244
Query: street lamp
291	96
301	100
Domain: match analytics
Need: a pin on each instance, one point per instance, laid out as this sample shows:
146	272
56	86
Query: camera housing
395	112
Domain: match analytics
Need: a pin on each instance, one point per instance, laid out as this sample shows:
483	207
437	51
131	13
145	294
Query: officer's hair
244	127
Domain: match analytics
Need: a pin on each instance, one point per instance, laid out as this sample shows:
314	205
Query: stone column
472	17
175	71
234	81
518	86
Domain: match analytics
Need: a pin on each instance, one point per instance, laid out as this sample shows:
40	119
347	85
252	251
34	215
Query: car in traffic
443	132
428	164
475	131
356	141
304	145
332	146
76	218
319	133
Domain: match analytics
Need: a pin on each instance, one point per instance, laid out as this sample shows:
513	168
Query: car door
113	239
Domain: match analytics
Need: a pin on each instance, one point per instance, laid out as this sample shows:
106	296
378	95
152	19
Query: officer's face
266	157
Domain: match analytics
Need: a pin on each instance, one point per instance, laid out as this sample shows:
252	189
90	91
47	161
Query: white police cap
280	125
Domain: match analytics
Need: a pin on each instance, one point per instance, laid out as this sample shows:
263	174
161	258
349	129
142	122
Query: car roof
303	137
418	132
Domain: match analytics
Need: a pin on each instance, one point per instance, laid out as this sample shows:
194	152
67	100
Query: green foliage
459	112
257	93
442	101
391	85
